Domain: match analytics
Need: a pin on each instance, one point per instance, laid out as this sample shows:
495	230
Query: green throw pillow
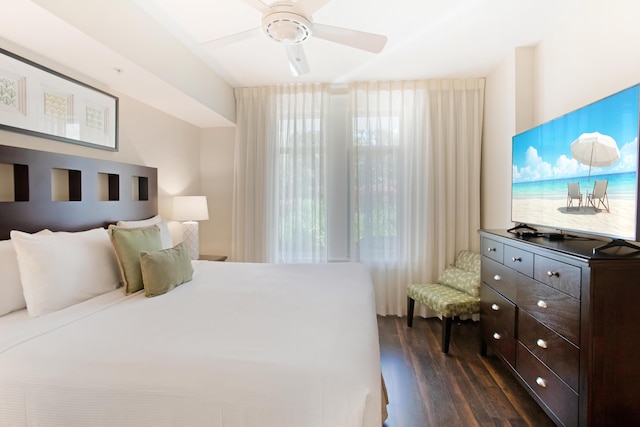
128	243
166	269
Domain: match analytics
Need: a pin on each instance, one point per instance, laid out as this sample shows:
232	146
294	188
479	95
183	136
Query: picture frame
41	102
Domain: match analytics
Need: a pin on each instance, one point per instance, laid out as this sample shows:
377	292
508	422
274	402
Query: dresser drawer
492	249
558	354
497	321
519	260
500	278
555	309
558	275
555	394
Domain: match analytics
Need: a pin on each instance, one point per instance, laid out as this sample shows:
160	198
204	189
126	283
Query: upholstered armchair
456	293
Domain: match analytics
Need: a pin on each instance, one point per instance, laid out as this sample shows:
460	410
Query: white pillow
11	296
165	235
62	269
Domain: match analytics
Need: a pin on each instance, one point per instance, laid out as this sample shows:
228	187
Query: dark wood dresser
567	323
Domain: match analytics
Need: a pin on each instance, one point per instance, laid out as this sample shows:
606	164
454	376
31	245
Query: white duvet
240	345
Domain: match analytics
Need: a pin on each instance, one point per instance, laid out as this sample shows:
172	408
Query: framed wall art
41	102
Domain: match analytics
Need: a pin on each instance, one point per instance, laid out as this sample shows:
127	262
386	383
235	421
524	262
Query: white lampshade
190	208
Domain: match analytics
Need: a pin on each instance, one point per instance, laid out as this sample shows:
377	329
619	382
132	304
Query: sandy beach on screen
619	221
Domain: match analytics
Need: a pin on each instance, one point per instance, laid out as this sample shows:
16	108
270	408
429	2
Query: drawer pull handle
496	336
497	278
542	304
541	343
541	382
553	273
516	259
491	249
495	307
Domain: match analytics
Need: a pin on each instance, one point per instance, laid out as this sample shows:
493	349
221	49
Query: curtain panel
415	199
412	154
279	199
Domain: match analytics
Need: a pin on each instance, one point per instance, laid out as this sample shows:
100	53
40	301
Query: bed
239	344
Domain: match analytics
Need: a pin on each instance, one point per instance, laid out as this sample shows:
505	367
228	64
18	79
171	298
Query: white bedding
239	345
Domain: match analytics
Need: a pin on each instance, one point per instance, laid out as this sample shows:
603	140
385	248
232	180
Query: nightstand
213	257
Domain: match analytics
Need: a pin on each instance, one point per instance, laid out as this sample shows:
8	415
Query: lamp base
190	238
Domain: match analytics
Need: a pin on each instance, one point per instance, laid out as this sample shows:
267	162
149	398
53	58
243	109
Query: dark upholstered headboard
70	193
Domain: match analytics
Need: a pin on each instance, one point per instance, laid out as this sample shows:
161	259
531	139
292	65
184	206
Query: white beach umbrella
595	149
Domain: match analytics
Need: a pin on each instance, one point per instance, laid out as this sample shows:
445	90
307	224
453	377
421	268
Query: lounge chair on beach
574	194
599	194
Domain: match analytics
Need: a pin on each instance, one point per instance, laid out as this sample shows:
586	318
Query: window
378	173
300	194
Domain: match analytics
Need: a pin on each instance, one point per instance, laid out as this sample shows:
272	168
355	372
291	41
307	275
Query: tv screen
579	172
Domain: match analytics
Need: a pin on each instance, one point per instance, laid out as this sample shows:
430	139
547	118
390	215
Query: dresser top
572	245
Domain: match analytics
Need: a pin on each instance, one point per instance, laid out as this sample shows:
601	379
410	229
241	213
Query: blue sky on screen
544	152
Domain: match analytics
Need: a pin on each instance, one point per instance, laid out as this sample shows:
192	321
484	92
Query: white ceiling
427	39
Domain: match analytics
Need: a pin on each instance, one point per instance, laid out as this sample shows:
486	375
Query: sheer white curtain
279	208
415	199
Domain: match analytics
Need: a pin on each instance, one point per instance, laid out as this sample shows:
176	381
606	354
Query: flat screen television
579	172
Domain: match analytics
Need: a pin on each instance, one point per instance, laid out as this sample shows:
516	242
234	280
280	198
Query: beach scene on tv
579	172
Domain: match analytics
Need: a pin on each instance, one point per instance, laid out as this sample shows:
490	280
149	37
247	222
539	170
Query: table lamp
190	209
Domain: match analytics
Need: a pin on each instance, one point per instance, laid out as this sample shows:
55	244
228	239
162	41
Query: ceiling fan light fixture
285	22
286	27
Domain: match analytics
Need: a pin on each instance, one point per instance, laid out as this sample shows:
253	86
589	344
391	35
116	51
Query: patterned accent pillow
462	280
469	261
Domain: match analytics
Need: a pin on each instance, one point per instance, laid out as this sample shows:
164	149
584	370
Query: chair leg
410	304
446	333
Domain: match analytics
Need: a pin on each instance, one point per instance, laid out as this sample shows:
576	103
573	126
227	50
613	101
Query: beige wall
190	160
499	126
150	137
216	174
590	56
147	137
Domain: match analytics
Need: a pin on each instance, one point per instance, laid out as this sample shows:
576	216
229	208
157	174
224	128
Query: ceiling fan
290	23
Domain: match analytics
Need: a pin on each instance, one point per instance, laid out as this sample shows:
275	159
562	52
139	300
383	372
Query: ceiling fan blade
308	7
358	39
233	38
297	59
257	4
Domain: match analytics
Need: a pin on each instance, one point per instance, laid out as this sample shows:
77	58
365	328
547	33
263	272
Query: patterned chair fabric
457	293
444	300
462	280
469	261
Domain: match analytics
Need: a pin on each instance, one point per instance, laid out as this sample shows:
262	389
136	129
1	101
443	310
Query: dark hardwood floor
428	388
